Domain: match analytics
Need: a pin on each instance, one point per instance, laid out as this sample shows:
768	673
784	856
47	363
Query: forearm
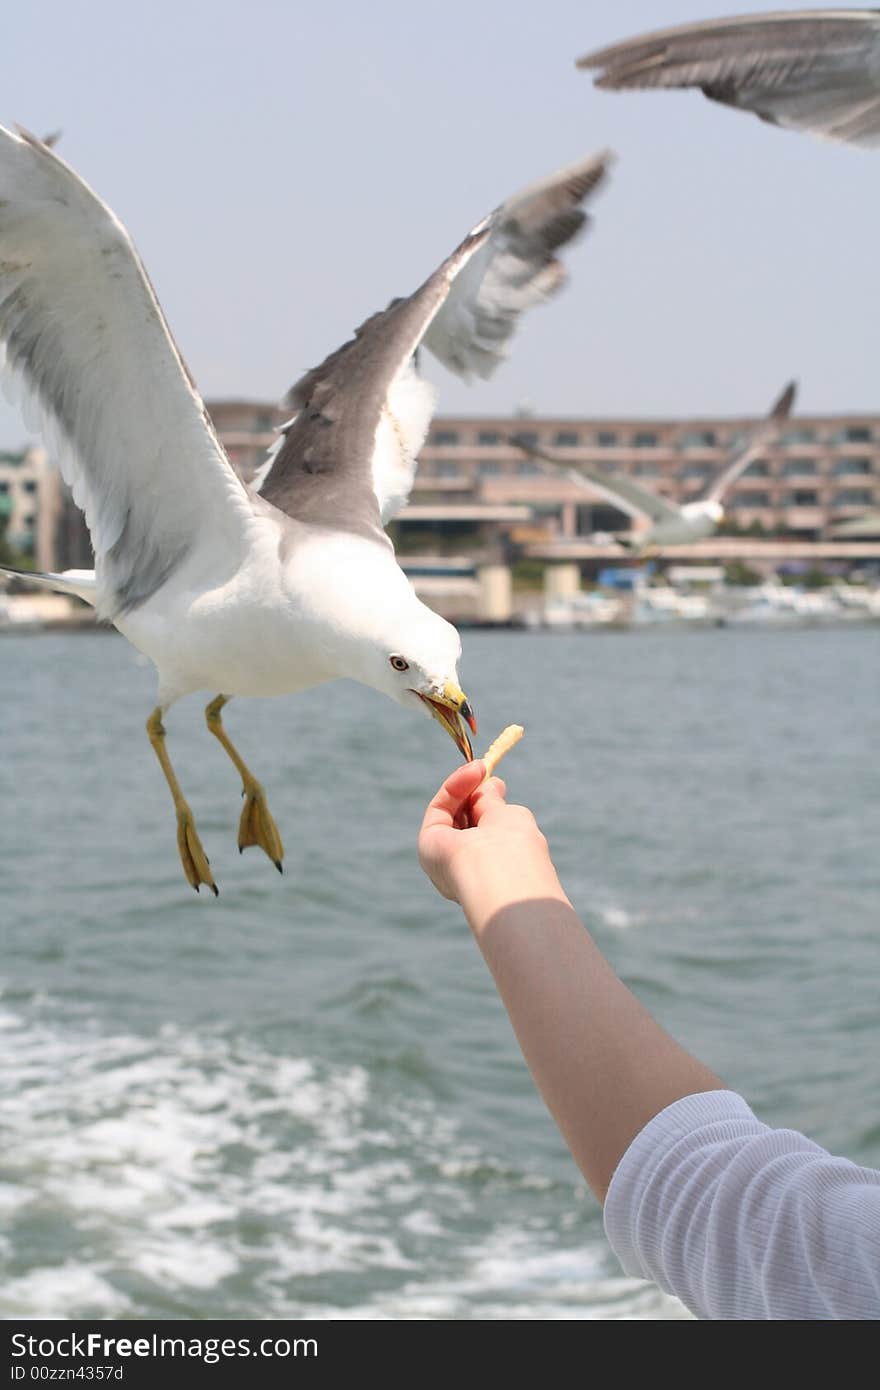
603	1065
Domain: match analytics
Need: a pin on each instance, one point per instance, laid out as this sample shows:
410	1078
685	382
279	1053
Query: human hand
470	838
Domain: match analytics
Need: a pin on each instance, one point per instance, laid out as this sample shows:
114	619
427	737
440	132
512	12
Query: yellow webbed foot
192	856
195	862
257	826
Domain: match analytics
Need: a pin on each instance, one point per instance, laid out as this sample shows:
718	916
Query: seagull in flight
670	524
230	587
814	70
810	70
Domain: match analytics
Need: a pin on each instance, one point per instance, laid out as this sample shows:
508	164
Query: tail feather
78	582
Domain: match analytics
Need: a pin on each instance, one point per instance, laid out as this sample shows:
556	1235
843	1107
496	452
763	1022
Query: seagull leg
192	856
256	826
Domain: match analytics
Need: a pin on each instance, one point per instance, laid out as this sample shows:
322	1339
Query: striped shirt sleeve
742	1221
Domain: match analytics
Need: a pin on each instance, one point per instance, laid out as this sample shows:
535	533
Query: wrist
486	882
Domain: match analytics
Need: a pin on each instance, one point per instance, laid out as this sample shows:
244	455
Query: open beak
452	709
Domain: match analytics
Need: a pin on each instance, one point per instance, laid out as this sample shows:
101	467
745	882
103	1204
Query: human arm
735	1218
603	1065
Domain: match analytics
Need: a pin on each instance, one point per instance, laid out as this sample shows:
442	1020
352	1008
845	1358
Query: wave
191	1174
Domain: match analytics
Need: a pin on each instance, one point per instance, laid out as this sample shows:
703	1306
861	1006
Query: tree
8	553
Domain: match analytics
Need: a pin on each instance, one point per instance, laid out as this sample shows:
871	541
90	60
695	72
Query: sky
286	169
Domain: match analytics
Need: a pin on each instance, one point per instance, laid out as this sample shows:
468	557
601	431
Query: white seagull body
669	524
228	587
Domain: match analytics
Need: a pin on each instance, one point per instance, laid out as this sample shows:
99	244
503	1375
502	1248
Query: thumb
445	806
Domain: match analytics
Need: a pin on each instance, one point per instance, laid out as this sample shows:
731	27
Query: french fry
503	744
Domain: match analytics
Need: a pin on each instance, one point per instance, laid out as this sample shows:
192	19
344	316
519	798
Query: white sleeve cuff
725	1112
743	1221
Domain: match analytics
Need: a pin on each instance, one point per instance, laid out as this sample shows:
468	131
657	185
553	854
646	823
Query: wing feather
813	70
85	338
758	438
516	269
624	492
347	458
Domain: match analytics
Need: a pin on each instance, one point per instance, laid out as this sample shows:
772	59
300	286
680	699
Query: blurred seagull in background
227	586
670	524
814	70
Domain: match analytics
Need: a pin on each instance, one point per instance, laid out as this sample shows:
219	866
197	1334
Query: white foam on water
614	916
53	1291
189	1171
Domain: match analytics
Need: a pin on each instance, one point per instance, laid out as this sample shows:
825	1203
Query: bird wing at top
516	269
757	439
814	70
84	335
347	458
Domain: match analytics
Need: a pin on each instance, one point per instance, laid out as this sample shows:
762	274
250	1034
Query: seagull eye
398	663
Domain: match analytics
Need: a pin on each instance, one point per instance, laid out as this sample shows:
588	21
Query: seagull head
415	662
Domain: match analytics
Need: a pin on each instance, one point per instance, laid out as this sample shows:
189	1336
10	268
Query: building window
645	439
488	468
699	439
852	466
647	470
802	499
30	485
488	437
750	499
606	440
527	469
527	437
446	468
548	513
444	437
856	434
793	467
264	422
697	470
566	439
759	468
853	497
4	488
800	436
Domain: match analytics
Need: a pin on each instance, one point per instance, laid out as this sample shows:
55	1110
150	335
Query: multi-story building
823	470
27	487
473	485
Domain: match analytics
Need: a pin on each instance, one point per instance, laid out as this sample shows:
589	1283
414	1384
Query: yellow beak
451	709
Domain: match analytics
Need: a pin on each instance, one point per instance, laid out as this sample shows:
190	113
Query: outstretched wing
516	269
84	335
347	458
624	492
758	439
815	70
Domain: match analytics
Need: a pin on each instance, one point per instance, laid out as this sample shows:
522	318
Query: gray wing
857	527
83	337
630	496
347	457
814	70
516	269
758	439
